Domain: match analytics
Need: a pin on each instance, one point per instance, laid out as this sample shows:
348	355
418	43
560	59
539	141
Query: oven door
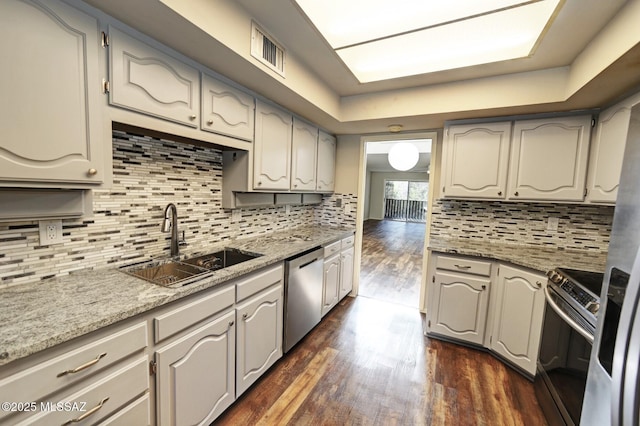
563	361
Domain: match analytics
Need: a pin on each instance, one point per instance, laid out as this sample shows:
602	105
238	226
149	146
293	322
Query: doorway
393	221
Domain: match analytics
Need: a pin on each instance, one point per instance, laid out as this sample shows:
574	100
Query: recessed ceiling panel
398	39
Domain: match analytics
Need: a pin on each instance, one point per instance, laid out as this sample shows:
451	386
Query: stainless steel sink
167	273
178	273
221	259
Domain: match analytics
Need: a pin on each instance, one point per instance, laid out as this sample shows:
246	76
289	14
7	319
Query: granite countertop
37	316
539	258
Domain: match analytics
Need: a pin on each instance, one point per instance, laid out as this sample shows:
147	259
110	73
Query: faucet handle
182	240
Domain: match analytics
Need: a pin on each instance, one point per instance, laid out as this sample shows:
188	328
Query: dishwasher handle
308	263
305	259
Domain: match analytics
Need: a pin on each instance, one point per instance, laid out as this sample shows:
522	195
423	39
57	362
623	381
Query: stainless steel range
572	304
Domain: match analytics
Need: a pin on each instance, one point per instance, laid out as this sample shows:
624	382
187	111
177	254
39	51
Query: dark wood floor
368	363
391	265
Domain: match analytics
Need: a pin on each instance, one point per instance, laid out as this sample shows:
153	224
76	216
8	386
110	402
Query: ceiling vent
265	49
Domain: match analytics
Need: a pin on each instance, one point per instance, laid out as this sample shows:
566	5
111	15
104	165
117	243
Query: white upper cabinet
149	81
272	148
476	159
549	159
51	117
304	156
607	151
326	171
226	110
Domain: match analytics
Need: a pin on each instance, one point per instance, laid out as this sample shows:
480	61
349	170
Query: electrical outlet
287	209
50	232
552	224
236	215
347	208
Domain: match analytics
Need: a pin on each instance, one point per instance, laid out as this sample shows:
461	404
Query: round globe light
403	156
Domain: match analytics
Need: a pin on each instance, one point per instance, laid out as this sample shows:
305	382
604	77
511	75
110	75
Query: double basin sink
178	273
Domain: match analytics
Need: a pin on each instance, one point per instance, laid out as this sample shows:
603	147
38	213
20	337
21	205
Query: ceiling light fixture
403	156
395	128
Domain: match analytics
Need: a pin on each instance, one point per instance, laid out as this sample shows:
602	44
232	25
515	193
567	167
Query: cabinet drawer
46	377
332	249
348	242
180	318
258	282
137	413
470	266
100	398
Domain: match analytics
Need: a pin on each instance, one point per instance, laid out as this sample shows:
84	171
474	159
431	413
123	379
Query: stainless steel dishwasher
302	295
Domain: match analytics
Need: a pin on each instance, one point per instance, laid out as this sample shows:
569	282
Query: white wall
376	194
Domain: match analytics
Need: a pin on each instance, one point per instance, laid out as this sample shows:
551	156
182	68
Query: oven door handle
584	333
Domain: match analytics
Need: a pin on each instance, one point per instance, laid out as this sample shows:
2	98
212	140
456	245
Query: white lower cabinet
518	314
195	379
346	272
259	333
489	304
460	306
330	283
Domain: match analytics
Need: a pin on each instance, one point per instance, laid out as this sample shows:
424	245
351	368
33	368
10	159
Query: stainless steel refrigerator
613	385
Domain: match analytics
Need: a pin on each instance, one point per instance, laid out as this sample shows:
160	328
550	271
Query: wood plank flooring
391	265
368	363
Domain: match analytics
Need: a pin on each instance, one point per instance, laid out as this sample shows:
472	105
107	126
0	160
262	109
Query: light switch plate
50	232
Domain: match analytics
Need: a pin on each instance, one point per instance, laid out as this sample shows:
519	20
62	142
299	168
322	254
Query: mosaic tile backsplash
583	227
125	227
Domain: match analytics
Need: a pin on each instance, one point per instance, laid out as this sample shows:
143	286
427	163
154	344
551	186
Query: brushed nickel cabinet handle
92	172
462	266
87	414
83	366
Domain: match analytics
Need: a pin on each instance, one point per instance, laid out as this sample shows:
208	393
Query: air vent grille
266	50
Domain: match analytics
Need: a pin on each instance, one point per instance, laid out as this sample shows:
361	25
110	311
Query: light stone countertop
40	315
540	258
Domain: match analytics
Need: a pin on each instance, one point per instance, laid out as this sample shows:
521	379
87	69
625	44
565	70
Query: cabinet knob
516	193
244	316
259	183
484	287
539	284
192	117
231	323
209	122
500	193
295	186
92	172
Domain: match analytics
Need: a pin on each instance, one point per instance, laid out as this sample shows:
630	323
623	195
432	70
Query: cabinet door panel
476	160
146	80
331	283
549	159
259	336
226	110
272	148
196	379
326	170
50	115
460	306
346	272
518	319
303	160
607	151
